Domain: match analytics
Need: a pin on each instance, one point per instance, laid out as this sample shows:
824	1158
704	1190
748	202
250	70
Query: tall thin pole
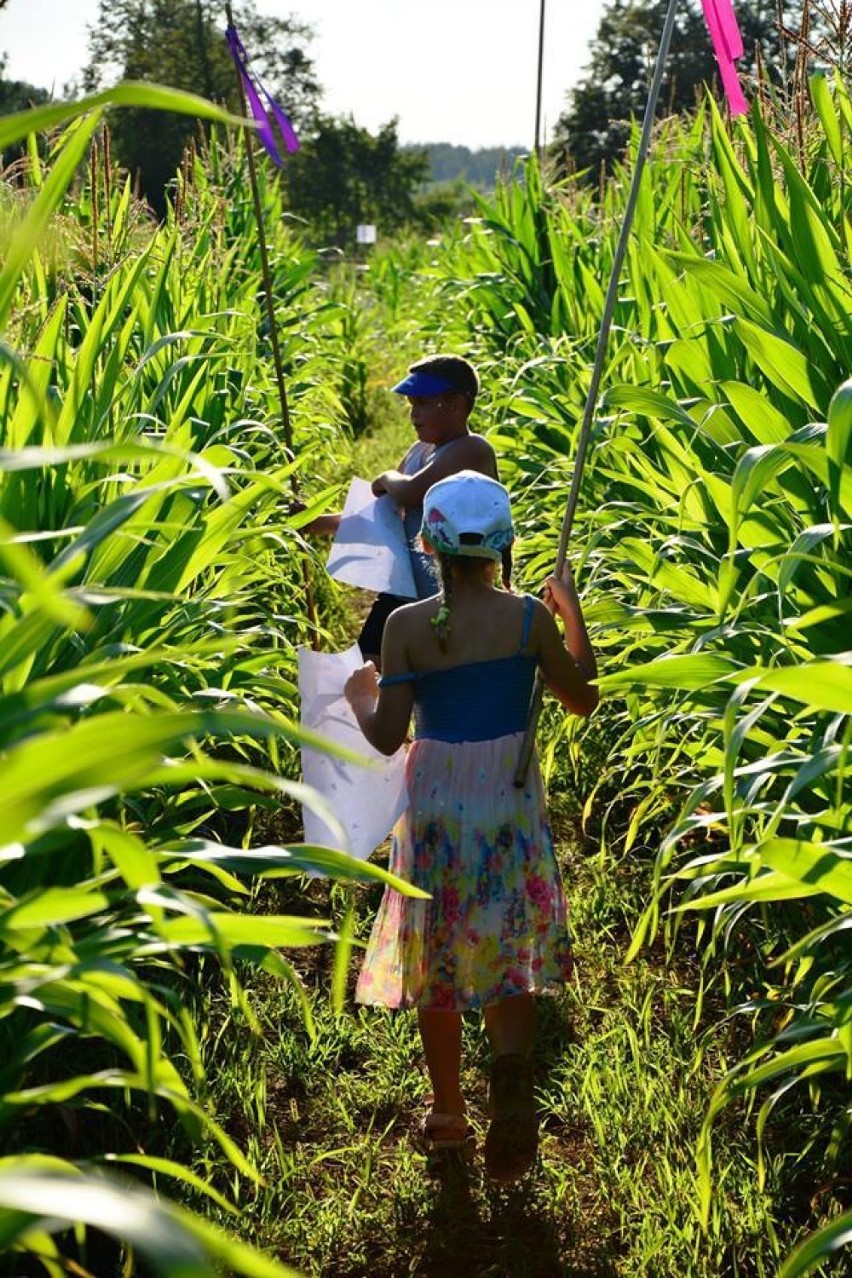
597	370
273	329
264	264
539	81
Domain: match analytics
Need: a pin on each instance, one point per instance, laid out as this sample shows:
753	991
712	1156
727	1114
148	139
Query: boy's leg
441	1033
370	638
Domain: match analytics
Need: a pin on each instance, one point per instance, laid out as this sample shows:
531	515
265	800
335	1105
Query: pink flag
727	45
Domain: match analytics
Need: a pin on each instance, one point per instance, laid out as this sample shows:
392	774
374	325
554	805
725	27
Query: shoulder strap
417	457
385	681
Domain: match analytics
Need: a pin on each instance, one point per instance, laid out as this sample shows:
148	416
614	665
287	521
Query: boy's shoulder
471	452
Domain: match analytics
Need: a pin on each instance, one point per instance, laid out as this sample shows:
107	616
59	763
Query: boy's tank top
425	574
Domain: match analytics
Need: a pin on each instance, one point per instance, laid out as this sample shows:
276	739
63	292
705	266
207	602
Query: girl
494	933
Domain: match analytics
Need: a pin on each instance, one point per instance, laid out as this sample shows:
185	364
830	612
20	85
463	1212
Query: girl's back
484	624
475	682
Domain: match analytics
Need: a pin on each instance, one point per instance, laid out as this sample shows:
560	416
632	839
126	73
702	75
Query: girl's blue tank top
477	701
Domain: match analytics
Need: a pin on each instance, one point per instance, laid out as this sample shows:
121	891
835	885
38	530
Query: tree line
343	174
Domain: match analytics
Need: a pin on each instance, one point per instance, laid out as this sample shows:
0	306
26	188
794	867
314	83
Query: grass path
331	1119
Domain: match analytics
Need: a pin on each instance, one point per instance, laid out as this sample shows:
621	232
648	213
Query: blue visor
422	384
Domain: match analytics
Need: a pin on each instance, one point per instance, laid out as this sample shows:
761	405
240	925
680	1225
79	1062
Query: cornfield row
153	601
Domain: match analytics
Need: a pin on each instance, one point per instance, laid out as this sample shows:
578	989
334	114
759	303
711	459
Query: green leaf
47	907
688	672
839	441
218	928
760	418
816	864
819	1053
824	104
782	363
823	685
176	1171
771	885
48	776
305	858
174	1243
34	225
818	1246
135	93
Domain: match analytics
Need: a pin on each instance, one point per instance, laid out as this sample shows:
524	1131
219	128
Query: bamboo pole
273	330
539	77
597	369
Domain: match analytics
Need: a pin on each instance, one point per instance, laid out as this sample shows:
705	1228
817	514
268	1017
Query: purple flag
259	112
727	45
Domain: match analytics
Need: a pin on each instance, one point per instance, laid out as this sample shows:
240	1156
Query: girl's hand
362	686
560	593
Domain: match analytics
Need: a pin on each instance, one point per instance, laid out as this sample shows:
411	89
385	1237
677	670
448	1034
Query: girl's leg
512	1140
441	1032
511	1025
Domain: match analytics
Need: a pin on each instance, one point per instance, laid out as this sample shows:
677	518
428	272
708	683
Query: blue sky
459	71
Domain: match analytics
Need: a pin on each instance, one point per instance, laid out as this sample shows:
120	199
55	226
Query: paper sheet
367	801
370	549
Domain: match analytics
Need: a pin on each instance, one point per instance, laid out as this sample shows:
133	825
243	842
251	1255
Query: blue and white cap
468	514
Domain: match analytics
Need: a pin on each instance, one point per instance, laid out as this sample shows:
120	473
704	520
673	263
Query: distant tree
595	127
344	175
181	43
441	203
481	167
17	95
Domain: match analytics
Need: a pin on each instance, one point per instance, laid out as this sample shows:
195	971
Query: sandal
511	1144
444	1131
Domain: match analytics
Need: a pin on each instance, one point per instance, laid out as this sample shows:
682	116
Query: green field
186	1082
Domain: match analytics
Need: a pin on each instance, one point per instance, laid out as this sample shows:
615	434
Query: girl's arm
568	666
383	714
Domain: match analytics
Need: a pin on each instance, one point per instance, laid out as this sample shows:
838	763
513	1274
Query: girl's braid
441	620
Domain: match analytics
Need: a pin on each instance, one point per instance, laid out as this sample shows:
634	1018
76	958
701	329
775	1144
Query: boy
441	391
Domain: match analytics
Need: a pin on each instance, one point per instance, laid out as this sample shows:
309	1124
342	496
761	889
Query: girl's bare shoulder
411	617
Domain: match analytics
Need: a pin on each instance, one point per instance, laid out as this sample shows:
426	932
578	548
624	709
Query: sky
461	71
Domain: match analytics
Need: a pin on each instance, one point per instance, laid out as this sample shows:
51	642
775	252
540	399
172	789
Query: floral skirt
496	921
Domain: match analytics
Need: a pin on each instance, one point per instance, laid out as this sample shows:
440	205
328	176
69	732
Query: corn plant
151	607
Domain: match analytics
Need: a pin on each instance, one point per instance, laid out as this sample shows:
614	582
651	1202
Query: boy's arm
469	452
324	525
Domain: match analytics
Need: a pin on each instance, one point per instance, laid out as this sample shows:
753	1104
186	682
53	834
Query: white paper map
367	801
370	549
